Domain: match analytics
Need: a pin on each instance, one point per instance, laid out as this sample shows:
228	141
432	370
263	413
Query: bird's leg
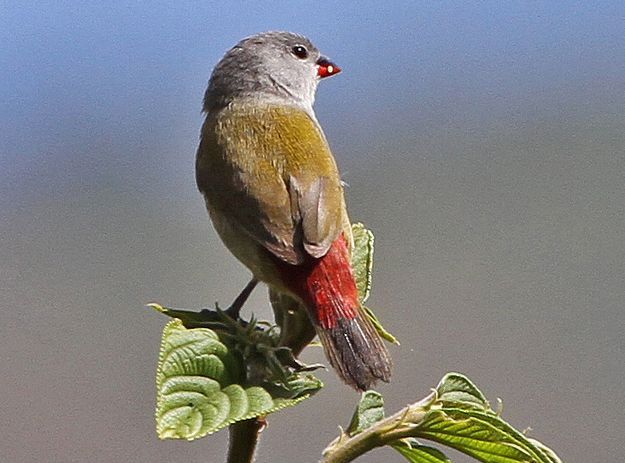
235	308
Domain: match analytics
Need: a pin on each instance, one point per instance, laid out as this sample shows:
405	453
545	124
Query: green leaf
297	386
370	410
456	414
550	454
199	388
362	259
417	453
461	418
200	319
384	334
456	390
362	264
501	435
474	437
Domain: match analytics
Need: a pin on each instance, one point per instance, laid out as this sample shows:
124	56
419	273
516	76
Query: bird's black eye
300	51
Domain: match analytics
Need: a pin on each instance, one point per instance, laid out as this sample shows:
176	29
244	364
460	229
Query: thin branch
398	426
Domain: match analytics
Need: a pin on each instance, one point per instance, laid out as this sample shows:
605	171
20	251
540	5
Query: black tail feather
356	352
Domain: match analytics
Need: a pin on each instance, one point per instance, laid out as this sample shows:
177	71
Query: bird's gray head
272	66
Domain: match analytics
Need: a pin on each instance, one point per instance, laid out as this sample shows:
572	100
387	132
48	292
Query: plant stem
297	332
243	437
398	426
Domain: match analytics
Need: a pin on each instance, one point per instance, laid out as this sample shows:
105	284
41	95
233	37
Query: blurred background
483	144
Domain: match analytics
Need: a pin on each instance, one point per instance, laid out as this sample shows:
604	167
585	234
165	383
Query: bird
275	197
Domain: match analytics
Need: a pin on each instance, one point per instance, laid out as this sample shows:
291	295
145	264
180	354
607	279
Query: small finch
275	197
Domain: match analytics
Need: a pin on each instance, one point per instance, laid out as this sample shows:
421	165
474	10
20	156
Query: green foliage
201	385
466	422
456	389
369	411
456	415
362	260
384	334
214	371
362	264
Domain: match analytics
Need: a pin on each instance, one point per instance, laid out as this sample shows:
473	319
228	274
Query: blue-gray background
484	144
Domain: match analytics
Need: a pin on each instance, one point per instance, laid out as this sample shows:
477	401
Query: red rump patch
326	285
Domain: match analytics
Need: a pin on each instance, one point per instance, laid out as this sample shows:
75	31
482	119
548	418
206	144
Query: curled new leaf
456	390
369	411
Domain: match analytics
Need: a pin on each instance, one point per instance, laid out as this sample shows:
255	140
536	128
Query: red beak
326	68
